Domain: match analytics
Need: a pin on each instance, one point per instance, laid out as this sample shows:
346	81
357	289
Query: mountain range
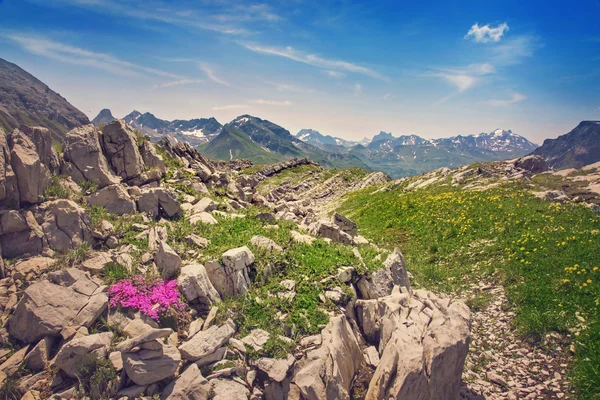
411	154
194	131
24	99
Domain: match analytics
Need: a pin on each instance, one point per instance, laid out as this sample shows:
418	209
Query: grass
73	257
113	272
97	378
308	265
547	256
57	190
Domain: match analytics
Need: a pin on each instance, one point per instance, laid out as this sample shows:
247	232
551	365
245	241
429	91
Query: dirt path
502	366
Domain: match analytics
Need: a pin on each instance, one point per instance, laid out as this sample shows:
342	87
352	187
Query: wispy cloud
314	60
273	102
487	34
358	90
76	55
286	87
515	98
335	74
178	83
464	78
222	18
515	50
210	73
230	107
387	96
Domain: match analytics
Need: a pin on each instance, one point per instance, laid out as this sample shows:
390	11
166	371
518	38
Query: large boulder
77	351
329	230
121	149
232	277
114	198
42	138
328	371
194	283
423	341
168	261
33	176
66	225
533	164
84	157
157	201
44	310
151	158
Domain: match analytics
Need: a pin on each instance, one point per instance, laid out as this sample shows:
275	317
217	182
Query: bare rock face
423	341
345	224
76	352
231	278
381	282
157	201
114	198
66	225
121	150
328	229
151	157
533	164
85	161
42	138
9	193
328	371
167	260
33	176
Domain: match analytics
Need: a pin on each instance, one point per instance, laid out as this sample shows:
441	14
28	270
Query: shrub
154	297
56	190
87	187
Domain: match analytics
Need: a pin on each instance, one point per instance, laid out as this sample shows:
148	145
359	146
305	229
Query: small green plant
58	147
10	389
479	302
87	187
73	257
97	378
56	189
113	271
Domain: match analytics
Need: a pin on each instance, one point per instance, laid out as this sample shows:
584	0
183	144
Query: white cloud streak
487	34
335	74
230	107
273	102
515	98
179	83
314	60
210	73
358	90
75	55
465	78
513	51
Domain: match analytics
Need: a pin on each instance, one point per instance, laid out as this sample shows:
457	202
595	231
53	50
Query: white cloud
486	34
515	98
358	90
273	102
210	73
462	82
75	55
513	51
335	74
314	60
230	107
285	87
178	83
387	96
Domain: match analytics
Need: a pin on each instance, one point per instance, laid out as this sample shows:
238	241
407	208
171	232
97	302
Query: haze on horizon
347	70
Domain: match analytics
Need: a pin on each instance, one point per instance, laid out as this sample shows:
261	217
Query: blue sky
345	68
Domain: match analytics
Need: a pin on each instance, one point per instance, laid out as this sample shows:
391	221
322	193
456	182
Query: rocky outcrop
328	371
121	150
77	351
65	225
158	201
381	281
194	283
9	193
207	342
231	278
422	340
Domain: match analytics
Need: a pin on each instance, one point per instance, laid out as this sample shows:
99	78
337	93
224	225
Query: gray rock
227	389
114	198
207	342
345	224
190	385
66	225
33	176
168	261
120	146
77	351
194	283
85	161
145	372
265	243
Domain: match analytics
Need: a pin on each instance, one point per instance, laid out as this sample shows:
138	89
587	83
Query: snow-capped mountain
321	141
194	131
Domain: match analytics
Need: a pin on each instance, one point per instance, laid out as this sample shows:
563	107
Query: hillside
26	100
278	141
231	143
575	149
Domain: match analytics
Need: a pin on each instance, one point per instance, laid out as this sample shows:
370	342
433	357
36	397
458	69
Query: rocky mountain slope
26	100
194	131
575	149
161	273
276	142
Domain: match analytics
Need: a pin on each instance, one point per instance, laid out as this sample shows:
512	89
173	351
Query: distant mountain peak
104	117
382	136
579	147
